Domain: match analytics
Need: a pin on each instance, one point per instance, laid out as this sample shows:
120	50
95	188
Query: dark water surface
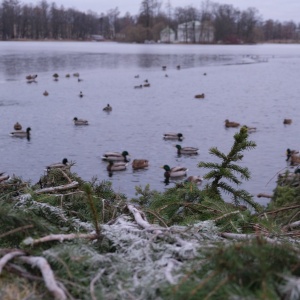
253	85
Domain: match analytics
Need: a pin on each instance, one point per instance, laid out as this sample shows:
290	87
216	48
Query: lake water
255	85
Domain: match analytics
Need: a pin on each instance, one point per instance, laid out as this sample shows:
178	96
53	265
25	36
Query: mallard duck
137	76
107	108
178	67
67	75
140	164
146	84
21	134
231	124
31	77
80	121
79	79
293	157
116	156
186	150
63	165
76	74
194	179
138	86
80	94
174	172
164	68
249	129
200	96
45	93
17	126
173	136
287	121
55	75
116	166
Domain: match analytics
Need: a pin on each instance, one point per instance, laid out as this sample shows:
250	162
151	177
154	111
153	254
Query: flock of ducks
119	161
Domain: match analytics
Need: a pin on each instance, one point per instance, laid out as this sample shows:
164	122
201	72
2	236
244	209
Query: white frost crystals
146	257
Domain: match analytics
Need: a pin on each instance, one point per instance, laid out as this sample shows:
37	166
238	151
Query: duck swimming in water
175	172
107	108
173	136
140	164
116	166
186	150
21	134
80	121
116	156
194	179
63	165
249	129
17	126
231	124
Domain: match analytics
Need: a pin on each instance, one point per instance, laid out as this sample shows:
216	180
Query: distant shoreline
110	41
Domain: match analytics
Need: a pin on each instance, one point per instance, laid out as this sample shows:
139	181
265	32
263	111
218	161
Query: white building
167	35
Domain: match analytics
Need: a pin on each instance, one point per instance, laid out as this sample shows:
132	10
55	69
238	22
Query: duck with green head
116	156
173	136
186	150
79	122
21	133
64	165
175	172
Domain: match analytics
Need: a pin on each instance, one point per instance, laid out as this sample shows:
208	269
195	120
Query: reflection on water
38	61
256	86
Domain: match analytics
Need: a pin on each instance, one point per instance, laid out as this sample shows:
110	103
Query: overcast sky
282	10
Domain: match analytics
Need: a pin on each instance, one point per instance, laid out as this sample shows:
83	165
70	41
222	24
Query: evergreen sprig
227	171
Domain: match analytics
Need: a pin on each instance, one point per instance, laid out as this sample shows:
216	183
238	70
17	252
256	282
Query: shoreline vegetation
212	22
64	238
177	43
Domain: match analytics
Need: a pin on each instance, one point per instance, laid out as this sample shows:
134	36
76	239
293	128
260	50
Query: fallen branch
280	209
59	188
47	274
9	256
16	230
59	237
92	284
140	218
262	195
65	175
226	215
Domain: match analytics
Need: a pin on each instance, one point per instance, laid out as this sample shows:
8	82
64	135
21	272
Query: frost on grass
144	261
139	260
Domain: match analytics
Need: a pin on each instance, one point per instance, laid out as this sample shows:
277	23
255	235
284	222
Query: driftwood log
72	185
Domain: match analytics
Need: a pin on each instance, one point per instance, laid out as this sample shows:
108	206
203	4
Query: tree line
230	24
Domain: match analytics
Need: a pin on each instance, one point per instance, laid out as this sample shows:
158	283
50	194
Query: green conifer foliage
226	172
